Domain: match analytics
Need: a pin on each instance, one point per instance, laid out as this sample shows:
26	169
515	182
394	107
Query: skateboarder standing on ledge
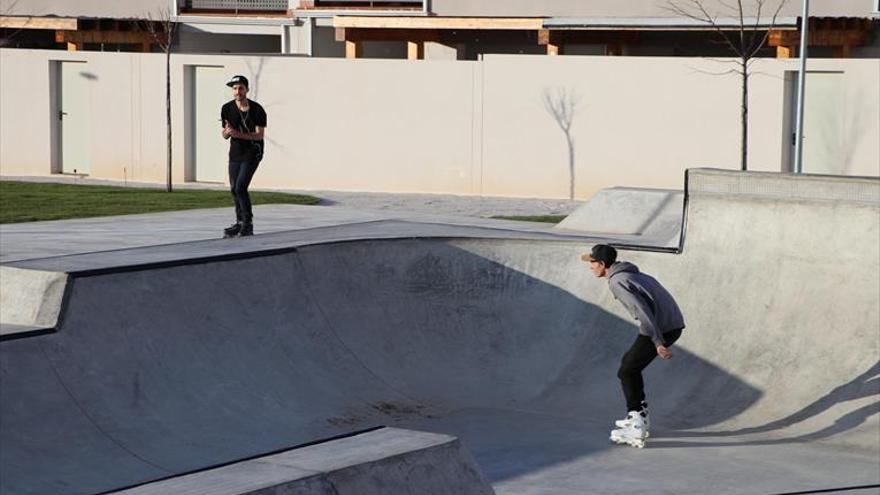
244	122
660	325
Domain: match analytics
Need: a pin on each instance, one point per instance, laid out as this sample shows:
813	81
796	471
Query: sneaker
247	228
633	436
233	230
635	418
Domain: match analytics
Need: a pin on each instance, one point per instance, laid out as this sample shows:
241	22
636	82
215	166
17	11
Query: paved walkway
434	204
19	241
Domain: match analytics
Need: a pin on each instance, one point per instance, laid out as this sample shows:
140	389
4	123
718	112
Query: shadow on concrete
668	198
325	201
170	370
864	386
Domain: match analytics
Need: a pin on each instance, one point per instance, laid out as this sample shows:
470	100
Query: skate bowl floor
159	368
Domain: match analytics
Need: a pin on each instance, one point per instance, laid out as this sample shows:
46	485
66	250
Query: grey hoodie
646	300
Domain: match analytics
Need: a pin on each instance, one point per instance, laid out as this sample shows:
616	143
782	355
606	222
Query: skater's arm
639	309
257	135
226	131
664	352
259	116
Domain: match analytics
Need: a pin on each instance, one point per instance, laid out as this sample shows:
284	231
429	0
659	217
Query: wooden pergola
416	31
842	34
77	32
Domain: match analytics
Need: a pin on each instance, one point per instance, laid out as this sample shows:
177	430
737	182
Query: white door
211	150
824	147
74	115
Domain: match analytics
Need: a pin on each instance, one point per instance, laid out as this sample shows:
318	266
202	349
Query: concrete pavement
173	358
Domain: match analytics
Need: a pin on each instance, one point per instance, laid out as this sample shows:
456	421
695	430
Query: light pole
802	77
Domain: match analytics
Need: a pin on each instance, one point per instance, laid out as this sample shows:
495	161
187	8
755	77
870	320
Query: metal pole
802	78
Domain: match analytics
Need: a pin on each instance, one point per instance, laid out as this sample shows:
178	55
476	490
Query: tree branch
760	45
162	28
703	17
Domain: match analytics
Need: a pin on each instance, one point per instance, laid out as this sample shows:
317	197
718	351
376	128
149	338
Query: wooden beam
820	37
74	47
553	40
784	51
415	50
354	49
421	22
14	22
358	34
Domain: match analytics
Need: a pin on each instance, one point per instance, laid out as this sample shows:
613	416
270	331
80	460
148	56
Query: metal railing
236	5
370	3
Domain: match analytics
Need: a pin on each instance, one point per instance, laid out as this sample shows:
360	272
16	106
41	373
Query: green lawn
32	201
554	219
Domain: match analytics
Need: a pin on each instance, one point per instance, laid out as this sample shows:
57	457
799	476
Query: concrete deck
178	357
379	462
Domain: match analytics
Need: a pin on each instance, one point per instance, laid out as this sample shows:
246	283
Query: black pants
637	358
240	175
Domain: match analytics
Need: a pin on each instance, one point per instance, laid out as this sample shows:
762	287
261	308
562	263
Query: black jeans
637	358
240	175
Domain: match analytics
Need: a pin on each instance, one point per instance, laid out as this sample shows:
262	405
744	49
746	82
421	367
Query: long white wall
123	9
637	8
441	126
509	8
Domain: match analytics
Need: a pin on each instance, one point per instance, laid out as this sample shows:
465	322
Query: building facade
448	29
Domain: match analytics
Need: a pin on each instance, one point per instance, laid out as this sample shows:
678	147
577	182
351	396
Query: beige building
637	88
465	127
445	29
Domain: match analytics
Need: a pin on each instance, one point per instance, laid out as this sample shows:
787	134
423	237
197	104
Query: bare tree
745	40
562	105
162	30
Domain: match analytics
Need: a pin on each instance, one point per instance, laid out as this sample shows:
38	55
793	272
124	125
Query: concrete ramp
651	216
31	299
508	344
387	460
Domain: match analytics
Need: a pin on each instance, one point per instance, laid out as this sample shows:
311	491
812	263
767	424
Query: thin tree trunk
570	166
744	139
168	114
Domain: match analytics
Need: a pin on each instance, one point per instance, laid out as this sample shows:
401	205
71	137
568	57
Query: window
235	5
369	4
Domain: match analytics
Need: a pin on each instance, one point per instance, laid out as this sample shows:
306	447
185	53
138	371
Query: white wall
642	121
117	9
634	8
511	8
439	126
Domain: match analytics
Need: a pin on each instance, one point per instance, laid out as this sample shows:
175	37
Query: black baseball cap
601	252
238	80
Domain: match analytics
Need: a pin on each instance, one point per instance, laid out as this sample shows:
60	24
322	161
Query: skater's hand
664	352
228	131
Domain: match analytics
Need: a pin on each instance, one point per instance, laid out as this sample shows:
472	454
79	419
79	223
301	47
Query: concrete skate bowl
509	344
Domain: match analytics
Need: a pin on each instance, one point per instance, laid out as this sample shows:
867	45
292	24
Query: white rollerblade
634	434
627	421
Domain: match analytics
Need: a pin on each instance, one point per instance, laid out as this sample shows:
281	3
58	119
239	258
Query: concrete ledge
379	462
29	299
653	214
782	187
